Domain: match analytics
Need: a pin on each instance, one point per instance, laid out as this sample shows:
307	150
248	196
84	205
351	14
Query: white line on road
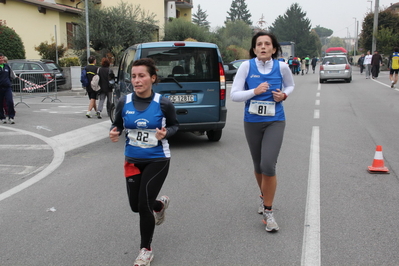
316	114
24	147
60	144
311	237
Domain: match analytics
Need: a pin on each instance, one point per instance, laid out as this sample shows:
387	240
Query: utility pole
87	28
354	47
375	26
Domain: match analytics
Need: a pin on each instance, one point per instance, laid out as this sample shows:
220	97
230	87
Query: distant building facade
37	21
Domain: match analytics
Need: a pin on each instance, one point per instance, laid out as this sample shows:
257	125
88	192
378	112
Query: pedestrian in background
360	63
106	75
148	120
91	71
376	62
263	83
6	76
314	63
367	64
303	66
394	66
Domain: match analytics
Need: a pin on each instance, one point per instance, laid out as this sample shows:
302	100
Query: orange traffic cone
378	163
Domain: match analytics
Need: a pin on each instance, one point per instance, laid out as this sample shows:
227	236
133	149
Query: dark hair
91	59
150	64
105	62
274	43
396	49
1	54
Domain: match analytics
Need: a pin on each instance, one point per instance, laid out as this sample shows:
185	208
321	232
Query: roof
52	5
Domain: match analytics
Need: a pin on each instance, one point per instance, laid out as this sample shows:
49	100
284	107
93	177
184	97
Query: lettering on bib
262	108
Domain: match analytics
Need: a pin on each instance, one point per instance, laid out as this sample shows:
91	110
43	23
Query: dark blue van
191	75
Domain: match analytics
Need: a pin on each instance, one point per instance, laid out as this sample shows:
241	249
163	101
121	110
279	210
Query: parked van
191	75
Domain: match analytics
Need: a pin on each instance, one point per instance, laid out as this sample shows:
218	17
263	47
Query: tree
335	42
295	27
11	44
48	50
387	32
323	32
239	11
233	36
200	17
115	28
180	30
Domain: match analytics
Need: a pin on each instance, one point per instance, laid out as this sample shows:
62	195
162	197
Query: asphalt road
330	210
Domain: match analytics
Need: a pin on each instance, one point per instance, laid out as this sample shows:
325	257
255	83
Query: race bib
143	138
262	108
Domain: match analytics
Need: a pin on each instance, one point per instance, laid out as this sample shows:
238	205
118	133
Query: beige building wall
34	27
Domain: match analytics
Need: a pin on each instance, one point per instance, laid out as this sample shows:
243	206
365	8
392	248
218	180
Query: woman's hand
114	134
263	87
161	133
278	95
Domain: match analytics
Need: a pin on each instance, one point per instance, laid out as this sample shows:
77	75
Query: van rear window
186	64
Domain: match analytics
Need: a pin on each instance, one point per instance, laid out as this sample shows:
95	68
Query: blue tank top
140	130
254	78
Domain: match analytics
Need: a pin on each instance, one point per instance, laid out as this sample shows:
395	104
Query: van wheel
214	135
112	113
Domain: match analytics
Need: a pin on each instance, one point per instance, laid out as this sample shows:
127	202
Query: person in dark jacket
106	75
376	62
91	71
360	63
6	91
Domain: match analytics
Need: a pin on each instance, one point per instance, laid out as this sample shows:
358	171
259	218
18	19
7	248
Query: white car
335	67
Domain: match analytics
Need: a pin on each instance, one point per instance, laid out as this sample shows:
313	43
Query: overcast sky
337	15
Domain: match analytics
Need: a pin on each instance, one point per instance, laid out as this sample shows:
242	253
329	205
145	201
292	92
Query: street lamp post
354	49
375	25
371	5
87	28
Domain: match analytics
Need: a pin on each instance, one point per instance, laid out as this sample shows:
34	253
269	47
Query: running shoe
160	216
98	115
144	258
261	208
11	120
270	222
88	115
3	121
392	84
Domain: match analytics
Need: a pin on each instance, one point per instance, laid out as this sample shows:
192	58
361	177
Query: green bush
48	50
11	44
69	61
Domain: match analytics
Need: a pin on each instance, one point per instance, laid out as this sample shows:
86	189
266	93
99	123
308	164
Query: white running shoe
144	258
261	208
270	222
160	216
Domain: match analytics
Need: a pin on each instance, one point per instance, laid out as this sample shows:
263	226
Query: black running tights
143	190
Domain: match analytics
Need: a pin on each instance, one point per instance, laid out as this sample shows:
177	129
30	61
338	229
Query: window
71	33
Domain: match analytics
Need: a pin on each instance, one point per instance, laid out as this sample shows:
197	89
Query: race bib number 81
262	108
144	138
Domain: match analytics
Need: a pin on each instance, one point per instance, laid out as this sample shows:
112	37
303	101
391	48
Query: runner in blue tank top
263	83
148	119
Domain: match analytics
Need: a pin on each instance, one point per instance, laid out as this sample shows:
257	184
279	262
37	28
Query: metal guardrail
35	84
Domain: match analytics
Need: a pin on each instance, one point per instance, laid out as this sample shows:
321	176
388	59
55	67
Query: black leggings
143	190
264	141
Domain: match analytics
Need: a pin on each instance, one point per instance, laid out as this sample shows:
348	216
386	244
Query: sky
337	15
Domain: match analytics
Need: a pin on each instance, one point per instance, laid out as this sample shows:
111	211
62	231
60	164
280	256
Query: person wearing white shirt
367	64
263	83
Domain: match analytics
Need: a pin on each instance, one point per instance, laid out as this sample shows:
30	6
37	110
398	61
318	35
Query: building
37	21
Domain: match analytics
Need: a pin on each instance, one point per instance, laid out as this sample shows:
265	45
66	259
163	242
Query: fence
35	84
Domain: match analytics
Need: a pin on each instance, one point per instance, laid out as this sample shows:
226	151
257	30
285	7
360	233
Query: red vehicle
336	50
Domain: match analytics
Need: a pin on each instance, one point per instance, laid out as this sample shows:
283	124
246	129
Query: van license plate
187	98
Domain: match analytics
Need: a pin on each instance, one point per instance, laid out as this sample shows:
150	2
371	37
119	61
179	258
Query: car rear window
187	64
335	61
52	66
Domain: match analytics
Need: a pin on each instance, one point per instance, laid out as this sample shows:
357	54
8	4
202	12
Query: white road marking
60	144
311	237
316	114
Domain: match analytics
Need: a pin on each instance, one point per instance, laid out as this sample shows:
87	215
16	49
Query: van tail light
47	76
222	90
321	67
347	66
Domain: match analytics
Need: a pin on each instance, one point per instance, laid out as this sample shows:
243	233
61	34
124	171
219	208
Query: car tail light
321	67
347	66
222	82
47	75
179	44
